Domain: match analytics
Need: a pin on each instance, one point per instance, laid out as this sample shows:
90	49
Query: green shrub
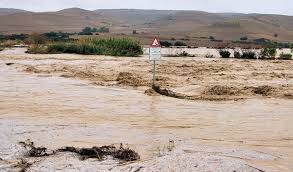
165	43
1	48
285	56
179	43
225	53
93	46
268	53
249	55
244	38
104	29
237	54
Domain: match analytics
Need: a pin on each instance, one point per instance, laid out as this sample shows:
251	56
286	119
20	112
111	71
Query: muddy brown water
55	111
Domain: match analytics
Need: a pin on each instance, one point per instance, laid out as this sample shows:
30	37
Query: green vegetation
224	53
20	37
285	56
104	29
92	46
244	38
268	53
87	31
57	36
249	55
166	44
179	43
1	48
212	38
91	31
237	54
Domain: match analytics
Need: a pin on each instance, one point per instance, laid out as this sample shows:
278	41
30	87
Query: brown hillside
162	22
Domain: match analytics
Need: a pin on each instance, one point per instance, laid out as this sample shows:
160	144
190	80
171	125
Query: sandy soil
101	101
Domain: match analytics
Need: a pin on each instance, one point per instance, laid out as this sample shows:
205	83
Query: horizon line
218	12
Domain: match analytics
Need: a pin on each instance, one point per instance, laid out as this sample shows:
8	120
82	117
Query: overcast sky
244	6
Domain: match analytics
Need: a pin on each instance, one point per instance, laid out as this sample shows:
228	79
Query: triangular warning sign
155	43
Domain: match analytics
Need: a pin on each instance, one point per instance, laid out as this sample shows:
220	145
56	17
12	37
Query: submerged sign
155	50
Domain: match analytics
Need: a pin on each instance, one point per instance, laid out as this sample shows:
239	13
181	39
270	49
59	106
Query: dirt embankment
187	78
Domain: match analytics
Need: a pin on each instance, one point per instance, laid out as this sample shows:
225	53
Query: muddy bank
201	79
222	93
168	158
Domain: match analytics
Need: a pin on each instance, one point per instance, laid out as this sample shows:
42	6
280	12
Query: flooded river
55	112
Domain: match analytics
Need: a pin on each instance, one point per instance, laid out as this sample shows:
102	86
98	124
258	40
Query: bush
37	49
209	56
1	48
244	38
104	29
165	43
92	46
286	56
179	43
225	53
9	43
185	54
57	36
237	54
249	55
268	53
19	37
38	39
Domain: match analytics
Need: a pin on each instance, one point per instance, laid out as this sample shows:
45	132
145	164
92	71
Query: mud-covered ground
85	101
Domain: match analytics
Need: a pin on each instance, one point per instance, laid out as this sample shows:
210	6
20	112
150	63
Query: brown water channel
55	111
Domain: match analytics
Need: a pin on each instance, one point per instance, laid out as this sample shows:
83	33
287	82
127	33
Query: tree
94	29
244	38
104	29
38	39
87	30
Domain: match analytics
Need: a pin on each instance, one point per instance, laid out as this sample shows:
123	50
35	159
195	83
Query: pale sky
243	6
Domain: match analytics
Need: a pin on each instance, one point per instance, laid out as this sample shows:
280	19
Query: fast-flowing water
55	111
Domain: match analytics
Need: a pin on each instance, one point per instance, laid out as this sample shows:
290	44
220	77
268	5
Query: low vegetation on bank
267	53
91	46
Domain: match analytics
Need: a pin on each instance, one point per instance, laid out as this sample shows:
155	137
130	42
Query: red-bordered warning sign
156	43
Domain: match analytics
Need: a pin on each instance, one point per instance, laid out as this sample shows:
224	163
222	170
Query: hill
181	24
7	11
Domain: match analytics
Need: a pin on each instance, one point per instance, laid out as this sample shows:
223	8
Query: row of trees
91	31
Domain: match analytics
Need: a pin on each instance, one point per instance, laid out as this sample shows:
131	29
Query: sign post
155	55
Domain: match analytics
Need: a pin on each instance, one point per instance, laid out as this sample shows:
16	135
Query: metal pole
154	73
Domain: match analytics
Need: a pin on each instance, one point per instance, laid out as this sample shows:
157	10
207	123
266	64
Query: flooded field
64	100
